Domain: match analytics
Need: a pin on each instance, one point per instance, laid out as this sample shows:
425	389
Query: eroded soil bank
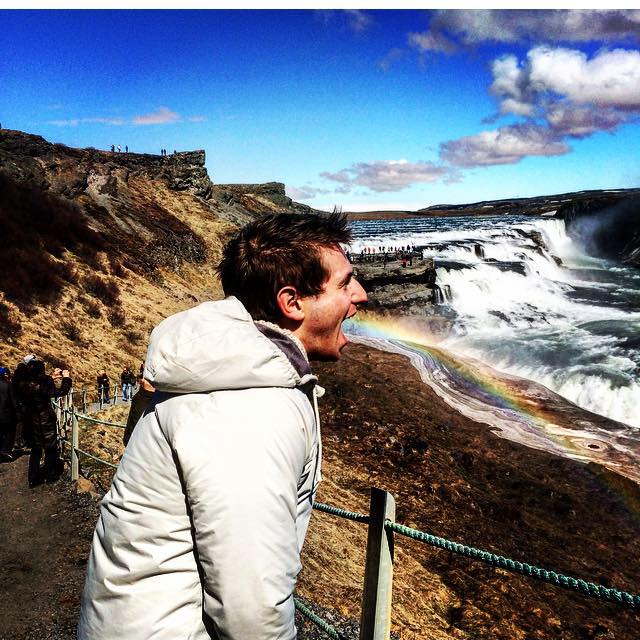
452	477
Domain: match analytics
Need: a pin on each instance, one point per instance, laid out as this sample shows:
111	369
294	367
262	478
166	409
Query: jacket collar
288	343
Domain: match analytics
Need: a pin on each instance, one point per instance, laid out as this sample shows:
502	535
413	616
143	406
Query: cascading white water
573	327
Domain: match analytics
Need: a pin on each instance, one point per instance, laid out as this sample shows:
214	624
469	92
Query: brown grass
45	327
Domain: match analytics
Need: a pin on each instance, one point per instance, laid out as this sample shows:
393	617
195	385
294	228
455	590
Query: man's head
36	367
289	269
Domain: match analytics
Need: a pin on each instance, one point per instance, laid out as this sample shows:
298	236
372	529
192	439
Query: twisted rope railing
341	513
544	575
531	571
317	620
90	455
70	414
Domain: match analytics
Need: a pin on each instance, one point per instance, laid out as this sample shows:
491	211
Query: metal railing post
375	620
74	445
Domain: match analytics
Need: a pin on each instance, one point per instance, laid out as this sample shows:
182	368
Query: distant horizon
367	110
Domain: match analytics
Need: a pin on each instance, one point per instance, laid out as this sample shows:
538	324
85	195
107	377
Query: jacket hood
217	346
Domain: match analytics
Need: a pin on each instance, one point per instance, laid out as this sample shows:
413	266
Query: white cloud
610	78
340	176
393	56
387	175
506	145
431	41
580	122
451	28
558	92
74	122
509	84
162	115
358	20
576	95
307	192
354	19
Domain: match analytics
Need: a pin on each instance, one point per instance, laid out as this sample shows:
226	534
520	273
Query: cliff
97	246
606	224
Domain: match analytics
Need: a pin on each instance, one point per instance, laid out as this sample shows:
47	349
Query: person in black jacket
7	417
40	420
102	383
20	375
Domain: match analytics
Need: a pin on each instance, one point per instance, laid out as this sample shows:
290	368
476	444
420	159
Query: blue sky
356	108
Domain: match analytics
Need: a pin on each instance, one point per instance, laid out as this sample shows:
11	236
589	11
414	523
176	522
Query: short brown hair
279	250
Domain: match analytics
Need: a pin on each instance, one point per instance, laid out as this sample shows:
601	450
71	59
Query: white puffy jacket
200	534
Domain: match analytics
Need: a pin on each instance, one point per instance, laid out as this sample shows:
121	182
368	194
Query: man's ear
288	302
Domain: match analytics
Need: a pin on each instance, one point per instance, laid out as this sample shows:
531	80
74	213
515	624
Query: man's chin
328	356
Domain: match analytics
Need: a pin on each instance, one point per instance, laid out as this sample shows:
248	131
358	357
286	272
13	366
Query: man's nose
359	295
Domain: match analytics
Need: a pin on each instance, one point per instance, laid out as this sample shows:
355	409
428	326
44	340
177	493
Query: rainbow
513	408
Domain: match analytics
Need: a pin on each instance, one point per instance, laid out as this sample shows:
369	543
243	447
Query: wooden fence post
84	400
74	445
375	620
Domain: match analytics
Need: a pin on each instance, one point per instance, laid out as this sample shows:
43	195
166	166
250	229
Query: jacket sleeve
241	471
52	391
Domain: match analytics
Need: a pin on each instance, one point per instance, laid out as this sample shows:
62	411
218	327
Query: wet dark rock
606	225
451	265
504	265
390	286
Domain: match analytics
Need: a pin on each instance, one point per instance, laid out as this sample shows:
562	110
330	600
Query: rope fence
382	526
567	582
317	620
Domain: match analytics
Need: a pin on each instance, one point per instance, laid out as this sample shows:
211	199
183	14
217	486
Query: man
127	380
37	392
7	417
102	384
201	532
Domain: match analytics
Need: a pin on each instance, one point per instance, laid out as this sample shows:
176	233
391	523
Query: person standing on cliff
201	532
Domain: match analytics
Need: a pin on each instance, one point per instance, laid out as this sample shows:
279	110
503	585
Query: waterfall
528	302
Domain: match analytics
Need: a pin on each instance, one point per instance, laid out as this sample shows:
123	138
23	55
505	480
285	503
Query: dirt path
45	535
